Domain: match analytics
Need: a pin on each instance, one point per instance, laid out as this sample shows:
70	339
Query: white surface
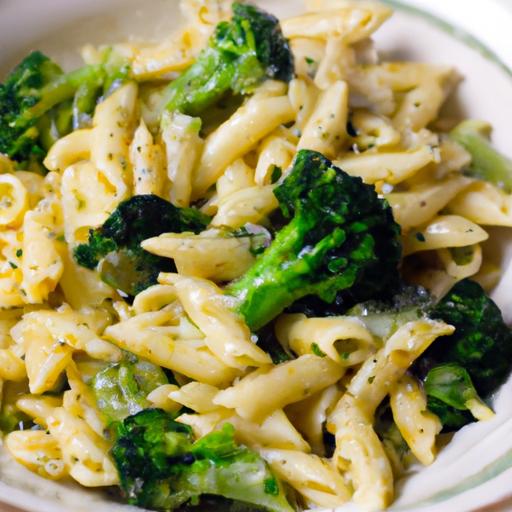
488	21
59	27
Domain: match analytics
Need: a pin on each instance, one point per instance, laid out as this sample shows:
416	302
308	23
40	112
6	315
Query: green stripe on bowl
457	32
489	472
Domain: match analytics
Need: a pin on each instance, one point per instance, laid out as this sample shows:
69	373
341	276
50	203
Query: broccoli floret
88	255
452	395
39	104
486	162
121	389
161	467
35	87
114	248
481	346
470	363
241	54
341	240
481	343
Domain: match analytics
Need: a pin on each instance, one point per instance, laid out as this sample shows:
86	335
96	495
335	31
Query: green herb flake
271	487
317	351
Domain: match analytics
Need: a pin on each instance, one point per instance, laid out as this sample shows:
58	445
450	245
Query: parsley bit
317	350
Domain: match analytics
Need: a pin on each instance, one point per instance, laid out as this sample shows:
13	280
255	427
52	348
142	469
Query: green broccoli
241	54
486	162
11	418
34	88
470	363
121	389
114	248
452	395
161	467
341	241
39	103
481	343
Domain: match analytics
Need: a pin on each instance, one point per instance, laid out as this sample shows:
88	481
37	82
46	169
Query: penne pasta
260	393
252	122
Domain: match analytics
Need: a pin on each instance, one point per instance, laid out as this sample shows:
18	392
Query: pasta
142	335
484	204
417	425
318	482
389	167
359	448
209	255
38	451
276	431
310	416
353	21
147	161
325	129
251	123
303	377
224	257
431	198
42	264
183	146
345	340
444	231
14	200
84	452
206	307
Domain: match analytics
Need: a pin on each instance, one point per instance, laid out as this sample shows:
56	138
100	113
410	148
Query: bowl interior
480	455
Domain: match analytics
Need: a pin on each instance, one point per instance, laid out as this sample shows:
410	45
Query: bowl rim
487	34
446	16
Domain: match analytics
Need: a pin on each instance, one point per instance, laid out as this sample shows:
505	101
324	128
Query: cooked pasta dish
245	268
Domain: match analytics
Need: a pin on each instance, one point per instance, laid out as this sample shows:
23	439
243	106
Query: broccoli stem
276	280
54	124
47	133
61	89
241	53
486	162
200	86
340	243
84	102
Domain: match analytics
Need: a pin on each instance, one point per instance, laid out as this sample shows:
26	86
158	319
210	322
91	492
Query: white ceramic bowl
475	469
